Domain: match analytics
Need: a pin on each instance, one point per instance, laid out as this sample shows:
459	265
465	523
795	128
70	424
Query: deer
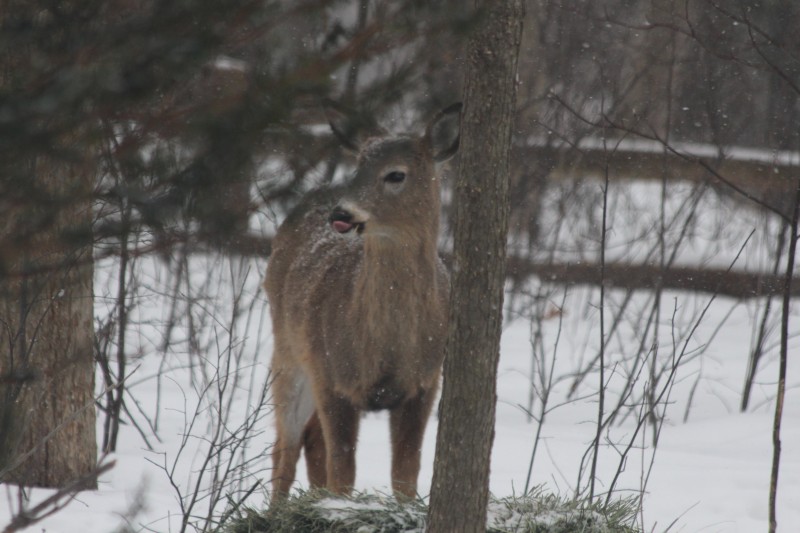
359	305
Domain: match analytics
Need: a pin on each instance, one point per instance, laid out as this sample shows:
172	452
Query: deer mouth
343	221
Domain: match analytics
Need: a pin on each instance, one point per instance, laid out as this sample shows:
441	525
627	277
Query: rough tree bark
47	417
460	488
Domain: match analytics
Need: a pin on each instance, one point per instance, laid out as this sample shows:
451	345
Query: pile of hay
316	512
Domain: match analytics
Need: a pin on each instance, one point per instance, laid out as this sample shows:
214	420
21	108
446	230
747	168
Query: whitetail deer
359	304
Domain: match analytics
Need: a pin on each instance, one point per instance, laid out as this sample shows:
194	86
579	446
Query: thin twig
25	518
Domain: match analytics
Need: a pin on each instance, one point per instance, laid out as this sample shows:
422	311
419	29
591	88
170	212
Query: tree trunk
783	362
460	488
47	416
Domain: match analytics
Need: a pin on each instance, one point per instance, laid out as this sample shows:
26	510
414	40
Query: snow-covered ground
709	473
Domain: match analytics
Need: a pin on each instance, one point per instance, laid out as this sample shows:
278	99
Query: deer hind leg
339	420
294	407
314	447
407	428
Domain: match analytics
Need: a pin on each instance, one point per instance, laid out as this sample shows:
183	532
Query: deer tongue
342	226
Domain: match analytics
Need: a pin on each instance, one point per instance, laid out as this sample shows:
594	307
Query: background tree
47	415
460	488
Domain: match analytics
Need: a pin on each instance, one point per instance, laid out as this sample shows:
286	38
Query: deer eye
394	177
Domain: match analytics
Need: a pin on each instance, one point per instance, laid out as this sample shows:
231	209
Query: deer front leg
284	463
407	428
294	405
339	421
314	447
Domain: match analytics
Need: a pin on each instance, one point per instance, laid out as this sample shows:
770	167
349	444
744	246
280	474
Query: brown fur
359	319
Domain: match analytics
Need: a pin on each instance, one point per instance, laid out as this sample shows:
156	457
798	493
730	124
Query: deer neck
397	283
404	256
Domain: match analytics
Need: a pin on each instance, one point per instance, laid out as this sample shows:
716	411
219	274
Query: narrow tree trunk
784	356
47	417
466	426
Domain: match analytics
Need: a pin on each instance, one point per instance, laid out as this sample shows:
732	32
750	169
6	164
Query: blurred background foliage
178	108
175	106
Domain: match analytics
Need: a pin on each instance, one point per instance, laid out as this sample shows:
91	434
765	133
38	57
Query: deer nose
341	220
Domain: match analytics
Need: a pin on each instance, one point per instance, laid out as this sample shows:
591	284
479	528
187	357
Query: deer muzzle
347	217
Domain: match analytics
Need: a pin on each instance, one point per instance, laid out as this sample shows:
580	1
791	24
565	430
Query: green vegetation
318	512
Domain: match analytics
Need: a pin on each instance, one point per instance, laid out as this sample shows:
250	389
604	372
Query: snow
337	509
709	473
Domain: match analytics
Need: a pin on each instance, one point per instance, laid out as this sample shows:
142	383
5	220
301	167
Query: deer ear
443	132
349	127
